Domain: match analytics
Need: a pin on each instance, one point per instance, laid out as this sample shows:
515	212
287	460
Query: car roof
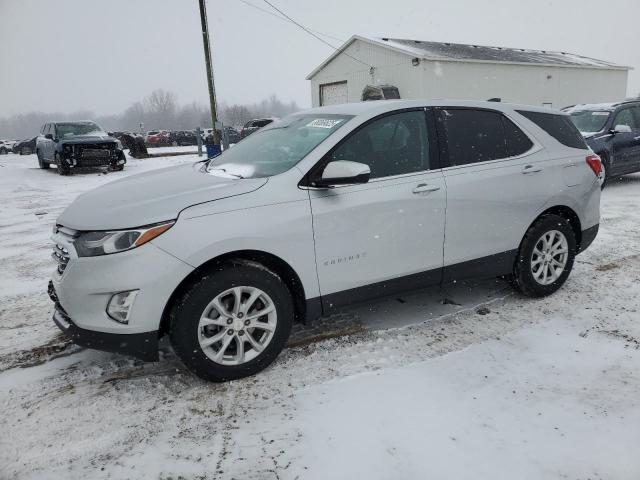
609	106
382	106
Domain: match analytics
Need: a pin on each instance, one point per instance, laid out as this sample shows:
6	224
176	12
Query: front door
626	145
386	235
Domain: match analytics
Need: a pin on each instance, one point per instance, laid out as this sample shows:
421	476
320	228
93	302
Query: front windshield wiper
225	171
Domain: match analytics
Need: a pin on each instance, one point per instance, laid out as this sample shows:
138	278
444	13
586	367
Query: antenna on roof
494	99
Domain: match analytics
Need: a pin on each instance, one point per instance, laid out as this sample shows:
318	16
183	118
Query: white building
471	72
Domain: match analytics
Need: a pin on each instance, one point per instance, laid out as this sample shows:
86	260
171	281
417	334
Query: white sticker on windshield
323	123
600	113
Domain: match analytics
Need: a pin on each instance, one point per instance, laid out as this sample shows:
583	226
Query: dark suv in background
70	145
254	125
612	130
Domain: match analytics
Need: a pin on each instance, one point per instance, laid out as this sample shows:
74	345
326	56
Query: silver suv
321	209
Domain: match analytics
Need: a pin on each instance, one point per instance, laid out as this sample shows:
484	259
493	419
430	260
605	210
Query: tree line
158	110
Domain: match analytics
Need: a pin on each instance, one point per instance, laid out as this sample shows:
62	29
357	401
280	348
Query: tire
41	163
217	290
63	170
3	151
529	276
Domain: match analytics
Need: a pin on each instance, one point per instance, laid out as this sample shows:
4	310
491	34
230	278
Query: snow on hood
150	198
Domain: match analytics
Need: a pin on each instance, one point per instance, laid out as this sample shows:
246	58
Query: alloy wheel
237	325
549	257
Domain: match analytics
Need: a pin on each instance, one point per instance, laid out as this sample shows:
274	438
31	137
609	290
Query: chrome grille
60	255
61	252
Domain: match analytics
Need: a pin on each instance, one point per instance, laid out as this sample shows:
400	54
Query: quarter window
393	145
474	136
558	126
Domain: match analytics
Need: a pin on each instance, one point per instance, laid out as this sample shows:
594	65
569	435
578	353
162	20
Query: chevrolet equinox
321	209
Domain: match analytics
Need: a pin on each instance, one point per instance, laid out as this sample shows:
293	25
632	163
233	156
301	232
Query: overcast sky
102	55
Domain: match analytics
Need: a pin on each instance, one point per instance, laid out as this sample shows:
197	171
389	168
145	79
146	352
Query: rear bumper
140	345
588	236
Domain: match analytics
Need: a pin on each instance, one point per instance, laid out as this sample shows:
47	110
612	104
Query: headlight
91	244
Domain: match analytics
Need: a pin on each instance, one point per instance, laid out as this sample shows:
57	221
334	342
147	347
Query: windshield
65	130
589	121
276	148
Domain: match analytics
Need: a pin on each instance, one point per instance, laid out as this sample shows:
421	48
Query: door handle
425	188
531	169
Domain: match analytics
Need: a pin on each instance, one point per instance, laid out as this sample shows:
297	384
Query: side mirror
344	172
110	134
622	129
49	136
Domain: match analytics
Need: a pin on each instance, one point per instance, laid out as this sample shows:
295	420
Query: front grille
61	252
95	152
60	255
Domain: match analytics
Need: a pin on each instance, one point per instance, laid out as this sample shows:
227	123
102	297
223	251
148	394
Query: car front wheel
232	322
546	256
62	168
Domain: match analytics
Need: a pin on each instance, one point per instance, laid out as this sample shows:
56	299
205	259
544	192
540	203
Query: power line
313	34
279	17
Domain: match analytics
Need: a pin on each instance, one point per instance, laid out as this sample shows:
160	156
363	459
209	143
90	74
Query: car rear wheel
232	322
41	163
546	256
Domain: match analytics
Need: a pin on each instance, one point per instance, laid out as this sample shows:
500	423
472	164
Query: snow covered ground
487	385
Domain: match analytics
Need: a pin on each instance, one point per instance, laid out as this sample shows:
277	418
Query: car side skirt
485	267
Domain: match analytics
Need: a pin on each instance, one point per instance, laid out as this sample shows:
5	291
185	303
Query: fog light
120	305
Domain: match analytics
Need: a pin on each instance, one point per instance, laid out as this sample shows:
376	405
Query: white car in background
322	209
6	146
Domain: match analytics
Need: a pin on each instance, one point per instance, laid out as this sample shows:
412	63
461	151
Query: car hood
151	197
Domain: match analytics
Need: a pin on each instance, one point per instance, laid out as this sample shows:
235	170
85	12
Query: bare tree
160	107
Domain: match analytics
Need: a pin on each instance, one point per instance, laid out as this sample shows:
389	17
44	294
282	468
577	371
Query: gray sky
102	55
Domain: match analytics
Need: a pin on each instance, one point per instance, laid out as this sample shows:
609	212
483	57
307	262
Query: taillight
595	163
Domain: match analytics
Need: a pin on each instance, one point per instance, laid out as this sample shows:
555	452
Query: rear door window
558	126
473	136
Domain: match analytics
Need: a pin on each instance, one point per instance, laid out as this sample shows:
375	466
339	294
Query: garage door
333	93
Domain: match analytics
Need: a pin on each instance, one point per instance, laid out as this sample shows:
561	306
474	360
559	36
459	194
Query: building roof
458	52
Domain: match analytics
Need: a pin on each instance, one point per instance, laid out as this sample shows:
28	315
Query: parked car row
165	138
612	131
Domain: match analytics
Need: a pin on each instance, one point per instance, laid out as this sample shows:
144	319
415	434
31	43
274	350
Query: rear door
496	183
386	235
626	146
47	144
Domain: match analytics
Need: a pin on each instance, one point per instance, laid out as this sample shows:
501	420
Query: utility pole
207	58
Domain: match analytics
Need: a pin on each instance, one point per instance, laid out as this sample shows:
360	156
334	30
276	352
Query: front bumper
140	345
76	157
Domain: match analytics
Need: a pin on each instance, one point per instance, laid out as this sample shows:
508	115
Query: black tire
63	169
523	277
3	151
188	308
41	163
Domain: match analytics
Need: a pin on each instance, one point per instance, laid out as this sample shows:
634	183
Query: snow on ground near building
522	388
